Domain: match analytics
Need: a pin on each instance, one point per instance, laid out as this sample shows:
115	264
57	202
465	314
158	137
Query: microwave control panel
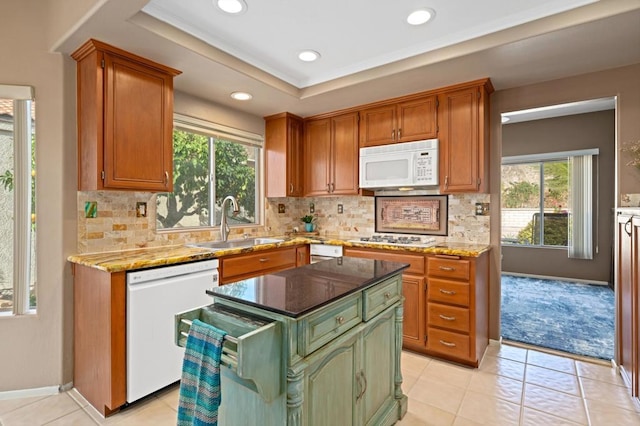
426	168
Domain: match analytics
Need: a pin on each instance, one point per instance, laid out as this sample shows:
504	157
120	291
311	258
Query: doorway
537	210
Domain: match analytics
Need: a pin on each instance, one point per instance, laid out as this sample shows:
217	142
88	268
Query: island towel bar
226	337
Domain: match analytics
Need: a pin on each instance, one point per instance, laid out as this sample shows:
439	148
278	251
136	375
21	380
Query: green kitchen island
315	345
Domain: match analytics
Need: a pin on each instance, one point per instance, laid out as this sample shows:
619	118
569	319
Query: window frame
24	230
215	131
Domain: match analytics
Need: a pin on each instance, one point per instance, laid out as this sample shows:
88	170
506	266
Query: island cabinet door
331	384
377	372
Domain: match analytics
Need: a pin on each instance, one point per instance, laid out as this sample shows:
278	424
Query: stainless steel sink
248	242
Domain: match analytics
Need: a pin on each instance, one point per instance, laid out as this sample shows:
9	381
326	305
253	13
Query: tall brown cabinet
627	281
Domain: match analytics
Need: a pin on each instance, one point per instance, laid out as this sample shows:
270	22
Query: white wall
35	350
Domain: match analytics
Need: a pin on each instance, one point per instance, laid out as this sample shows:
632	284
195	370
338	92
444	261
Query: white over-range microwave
409	164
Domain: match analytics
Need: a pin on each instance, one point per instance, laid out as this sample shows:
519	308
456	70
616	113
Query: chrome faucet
224	228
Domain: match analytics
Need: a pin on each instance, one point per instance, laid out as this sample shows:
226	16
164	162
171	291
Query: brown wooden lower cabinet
242	266
446	306
99	309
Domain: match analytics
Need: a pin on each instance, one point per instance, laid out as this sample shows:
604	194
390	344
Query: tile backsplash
118	227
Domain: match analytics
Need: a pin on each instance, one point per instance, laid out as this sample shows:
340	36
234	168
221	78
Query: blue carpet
566	316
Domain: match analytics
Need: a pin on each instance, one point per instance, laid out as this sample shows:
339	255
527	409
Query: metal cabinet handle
263	259
446	318
447	268
627	226
393	135
166	177
328	187
333	187
387	295
449	292
364	378
446	181
290	188
360	386
399	134
449	344
340	319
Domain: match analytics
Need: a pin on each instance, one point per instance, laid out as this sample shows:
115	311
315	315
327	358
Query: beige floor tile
413	363
155	413
607	393
497	386
605	414
451	374
170	397
553	379
8	405
531	417
440	395
604	373
502	366
123	414
77	418
486	409
407	383
553	362
42	411
559	404
424	414
461	421
506	351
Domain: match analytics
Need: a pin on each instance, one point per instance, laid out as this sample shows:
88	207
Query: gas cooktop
394	240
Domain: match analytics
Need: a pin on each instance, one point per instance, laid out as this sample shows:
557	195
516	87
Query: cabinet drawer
256	262
448	343
415	261
448	268
379	298
444	291
318	329
450	317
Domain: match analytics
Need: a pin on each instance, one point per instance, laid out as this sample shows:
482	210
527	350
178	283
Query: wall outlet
312	208
141	209
482	209
340	209
281	208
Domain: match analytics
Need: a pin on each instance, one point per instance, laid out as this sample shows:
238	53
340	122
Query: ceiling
368	51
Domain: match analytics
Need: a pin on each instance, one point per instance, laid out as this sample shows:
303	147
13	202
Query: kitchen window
210	162
17	200
547	200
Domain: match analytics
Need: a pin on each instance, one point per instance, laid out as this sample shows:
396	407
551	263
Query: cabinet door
413	323
317	151
294	157
331	387
138	123
417	120
459	141
378	368
283	155
302	255
345	154
378	125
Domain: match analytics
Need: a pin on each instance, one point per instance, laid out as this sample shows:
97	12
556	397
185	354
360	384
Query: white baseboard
29	393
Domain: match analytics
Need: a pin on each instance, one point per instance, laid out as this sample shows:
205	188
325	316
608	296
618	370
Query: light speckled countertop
127	260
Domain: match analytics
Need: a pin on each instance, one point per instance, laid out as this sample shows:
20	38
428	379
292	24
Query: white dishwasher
154	297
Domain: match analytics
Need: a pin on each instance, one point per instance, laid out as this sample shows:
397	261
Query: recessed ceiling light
241	96
232	6
308	55
421	16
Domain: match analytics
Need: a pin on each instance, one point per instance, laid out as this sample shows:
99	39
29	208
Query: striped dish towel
200	382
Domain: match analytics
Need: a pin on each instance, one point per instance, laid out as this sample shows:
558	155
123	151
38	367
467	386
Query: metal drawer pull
451	345
449	292
446	318
447	268
340	319
387	295
264	259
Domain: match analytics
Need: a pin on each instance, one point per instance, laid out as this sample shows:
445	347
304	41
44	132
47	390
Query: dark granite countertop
295	292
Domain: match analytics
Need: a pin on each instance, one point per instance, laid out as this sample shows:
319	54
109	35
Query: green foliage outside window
233	175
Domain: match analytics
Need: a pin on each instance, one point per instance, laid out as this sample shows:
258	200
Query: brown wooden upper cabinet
463	122
396	122
283	149
125	120
331	155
